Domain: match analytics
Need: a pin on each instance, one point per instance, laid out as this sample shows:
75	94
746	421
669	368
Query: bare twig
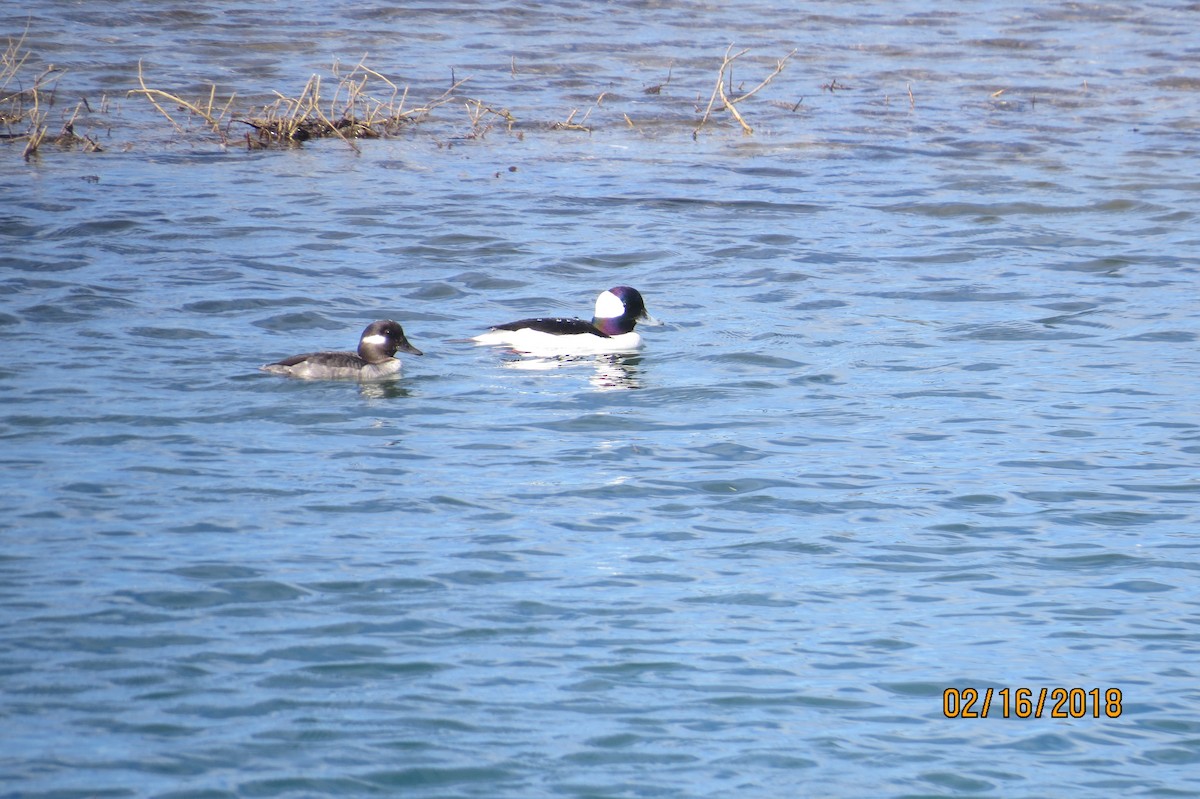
37	117
153	95
570	123
657	88
37	126
733	110
477	111
729	103
445	97
717	89
778	68
13	59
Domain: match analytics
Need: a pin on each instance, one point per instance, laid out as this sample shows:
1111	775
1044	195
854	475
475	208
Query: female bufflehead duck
374	360
610	331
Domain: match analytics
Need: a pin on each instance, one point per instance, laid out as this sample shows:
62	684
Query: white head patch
609	306
376	339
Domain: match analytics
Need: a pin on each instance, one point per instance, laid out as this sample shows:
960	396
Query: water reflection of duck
374	361
613	372
611	330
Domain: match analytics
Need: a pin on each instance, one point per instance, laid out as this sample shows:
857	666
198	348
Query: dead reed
205	108
25	112
483	118
12	100
348	104
363	104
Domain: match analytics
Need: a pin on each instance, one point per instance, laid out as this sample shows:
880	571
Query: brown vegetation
350	105
24	111
354	110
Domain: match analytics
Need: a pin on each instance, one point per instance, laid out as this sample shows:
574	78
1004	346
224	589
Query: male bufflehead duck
374	360
610	331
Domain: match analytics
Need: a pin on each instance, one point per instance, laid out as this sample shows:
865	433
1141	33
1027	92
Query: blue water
922	414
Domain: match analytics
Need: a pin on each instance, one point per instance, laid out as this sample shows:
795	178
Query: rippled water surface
922	414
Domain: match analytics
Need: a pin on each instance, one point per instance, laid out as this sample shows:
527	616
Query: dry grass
348	104
13	99
357	109
483	118
363	104
25	112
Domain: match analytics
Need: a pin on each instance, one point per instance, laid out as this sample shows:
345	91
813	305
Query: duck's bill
650	321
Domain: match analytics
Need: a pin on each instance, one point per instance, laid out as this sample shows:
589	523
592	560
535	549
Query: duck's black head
618	310
382	339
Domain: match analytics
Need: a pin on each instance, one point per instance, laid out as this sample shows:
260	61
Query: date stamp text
1036	703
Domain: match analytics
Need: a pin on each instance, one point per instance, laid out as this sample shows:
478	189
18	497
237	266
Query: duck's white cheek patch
609	306
375	339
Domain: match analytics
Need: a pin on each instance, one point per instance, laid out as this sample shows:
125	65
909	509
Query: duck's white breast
536	342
